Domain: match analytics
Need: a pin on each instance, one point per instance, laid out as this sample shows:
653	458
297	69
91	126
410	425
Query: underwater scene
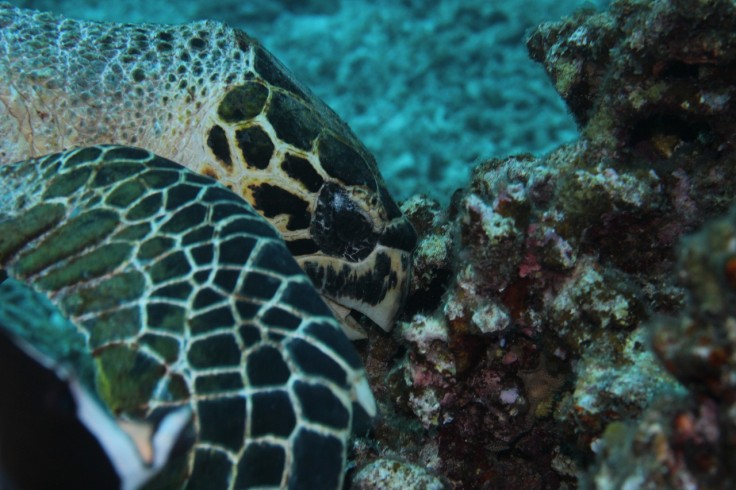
365	245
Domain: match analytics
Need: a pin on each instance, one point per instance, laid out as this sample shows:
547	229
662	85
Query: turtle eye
340	227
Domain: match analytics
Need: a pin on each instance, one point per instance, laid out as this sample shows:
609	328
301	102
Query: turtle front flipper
182	295
50	419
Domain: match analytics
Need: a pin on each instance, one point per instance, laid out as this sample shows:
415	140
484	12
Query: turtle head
360	245
304	170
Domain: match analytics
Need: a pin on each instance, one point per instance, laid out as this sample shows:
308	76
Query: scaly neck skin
66	83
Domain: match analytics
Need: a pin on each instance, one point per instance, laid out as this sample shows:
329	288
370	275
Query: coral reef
535	368
688	440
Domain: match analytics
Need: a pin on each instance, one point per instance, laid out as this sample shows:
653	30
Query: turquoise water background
431	87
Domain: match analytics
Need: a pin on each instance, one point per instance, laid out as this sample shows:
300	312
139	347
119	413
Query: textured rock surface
686	440
535	367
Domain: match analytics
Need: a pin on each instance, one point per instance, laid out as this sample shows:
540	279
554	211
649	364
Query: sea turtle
213	99
169	290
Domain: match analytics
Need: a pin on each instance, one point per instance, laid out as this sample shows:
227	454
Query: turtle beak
377	285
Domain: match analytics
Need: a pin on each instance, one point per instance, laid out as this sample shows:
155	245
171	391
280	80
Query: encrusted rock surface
525	356
686	440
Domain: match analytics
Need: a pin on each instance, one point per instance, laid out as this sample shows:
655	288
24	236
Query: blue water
431	87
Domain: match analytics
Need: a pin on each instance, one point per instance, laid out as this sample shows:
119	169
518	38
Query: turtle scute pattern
212	98
184	295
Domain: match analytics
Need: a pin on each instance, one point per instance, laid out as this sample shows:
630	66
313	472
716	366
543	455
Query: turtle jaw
376	286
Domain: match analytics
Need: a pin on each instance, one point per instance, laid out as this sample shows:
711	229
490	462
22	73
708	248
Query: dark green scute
96	263
243	102
177	389
273	257
251	225
203	255
211	320
166	347
185	219
172	266
133	233
219	350
329	335
112	326
218	383
303	297
179	290
166	317
313	361
67	184
122	153
83	156
250	335
211	470
125	194
16	233
127	378
202	276
218	194
155	246
206	297
314	461
294	122
266	367
259	285
201	180
321	406
181	194
261	465
256	146
272	413
110	293
201	234
148	207
78	233
236	250
110	174
279	318
343	162
222	422
226	279
161	178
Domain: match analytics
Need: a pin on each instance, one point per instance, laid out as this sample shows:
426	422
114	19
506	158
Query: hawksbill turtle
156	292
